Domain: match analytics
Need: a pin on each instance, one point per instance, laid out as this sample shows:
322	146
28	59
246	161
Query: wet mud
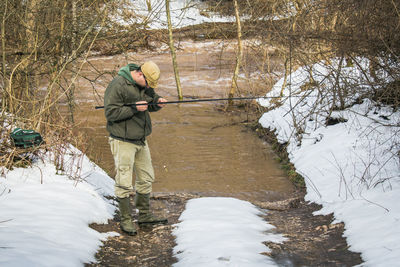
152	246
201	150
312	240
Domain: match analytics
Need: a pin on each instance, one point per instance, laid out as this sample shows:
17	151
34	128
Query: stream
195	147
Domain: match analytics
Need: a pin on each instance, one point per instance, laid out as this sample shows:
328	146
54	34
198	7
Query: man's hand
161	101
141	107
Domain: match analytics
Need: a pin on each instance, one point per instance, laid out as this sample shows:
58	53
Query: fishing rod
200	100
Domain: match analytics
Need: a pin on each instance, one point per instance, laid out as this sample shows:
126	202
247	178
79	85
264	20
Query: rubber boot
142	202
126	223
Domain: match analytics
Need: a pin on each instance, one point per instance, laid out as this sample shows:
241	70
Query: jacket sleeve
154	99
114	105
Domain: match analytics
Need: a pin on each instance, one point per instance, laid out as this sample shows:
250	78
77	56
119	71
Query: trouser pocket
124	155
124	177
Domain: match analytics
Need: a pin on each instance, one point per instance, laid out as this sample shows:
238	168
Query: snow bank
44	216
183	13
217	231
351	166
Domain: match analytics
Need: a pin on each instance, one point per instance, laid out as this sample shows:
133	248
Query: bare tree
234	85
172	49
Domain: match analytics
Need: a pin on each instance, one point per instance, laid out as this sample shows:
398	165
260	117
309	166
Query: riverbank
348	156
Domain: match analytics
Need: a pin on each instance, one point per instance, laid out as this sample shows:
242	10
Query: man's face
139	78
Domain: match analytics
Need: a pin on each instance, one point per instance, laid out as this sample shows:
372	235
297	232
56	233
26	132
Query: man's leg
144	171
144	181
124	156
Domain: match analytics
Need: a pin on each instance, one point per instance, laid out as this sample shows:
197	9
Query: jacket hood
126	72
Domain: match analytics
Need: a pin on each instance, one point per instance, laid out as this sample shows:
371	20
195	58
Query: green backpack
25	138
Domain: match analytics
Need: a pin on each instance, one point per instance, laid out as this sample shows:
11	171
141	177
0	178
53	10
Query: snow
217	231
45	217
351	168
152	14
183	13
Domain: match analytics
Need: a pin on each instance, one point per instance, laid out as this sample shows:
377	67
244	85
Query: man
127	102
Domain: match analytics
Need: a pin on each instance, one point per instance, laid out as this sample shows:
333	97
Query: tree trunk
285	76
173	54
148	3
26	79
234	85
59	46
31	11
71	92
4	63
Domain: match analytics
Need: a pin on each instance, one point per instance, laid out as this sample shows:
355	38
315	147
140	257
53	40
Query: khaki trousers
130	157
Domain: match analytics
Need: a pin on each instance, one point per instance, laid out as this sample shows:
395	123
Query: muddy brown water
195	148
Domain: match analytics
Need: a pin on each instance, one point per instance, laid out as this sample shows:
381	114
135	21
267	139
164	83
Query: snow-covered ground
152	14
45	216
217	231
352	167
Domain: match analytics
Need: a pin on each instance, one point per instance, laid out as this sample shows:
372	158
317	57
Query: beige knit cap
151	72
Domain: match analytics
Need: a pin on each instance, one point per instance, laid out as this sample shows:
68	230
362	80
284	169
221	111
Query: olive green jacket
125	122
